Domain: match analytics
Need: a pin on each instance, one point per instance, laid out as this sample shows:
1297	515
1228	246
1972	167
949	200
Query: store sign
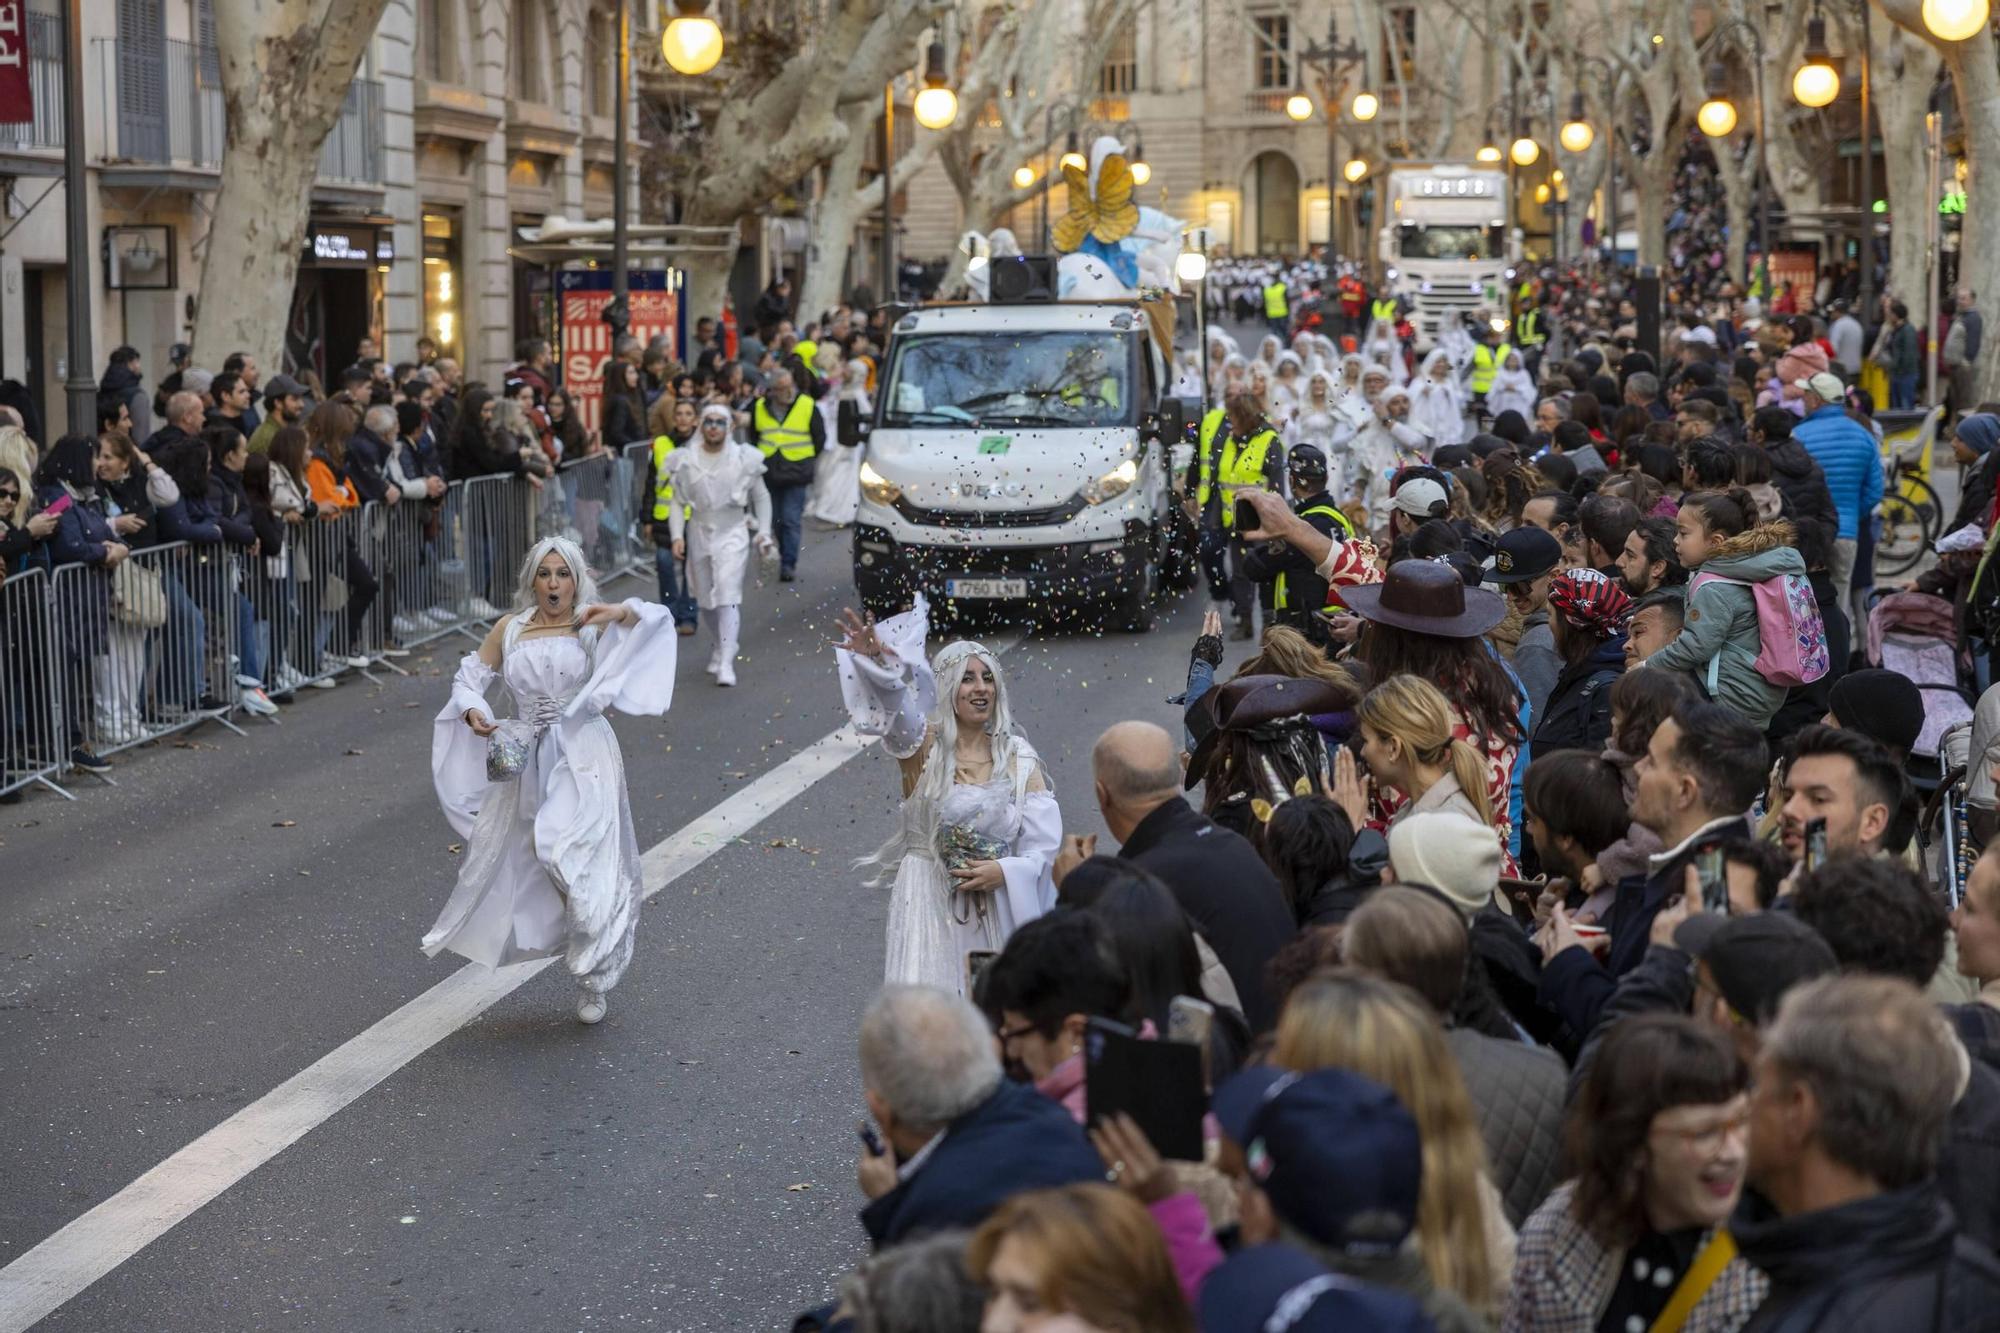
1798	269
654	299
17	95
354	247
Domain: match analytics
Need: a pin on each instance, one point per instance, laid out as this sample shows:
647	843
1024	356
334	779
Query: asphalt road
235	909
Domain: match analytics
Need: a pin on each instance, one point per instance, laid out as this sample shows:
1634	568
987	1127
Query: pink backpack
1793	649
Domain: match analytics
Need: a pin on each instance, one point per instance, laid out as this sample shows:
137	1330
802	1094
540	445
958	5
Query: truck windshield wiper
1003	395
955	416
1031	419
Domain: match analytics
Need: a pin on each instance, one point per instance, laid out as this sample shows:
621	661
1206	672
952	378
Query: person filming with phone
1847	790
1248	457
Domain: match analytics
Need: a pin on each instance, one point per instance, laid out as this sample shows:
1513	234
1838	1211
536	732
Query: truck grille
990	518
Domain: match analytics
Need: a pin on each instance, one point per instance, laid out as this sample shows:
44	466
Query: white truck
1445	246
1021	456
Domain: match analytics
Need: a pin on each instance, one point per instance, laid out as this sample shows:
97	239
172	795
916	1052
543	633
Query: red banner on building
586	338
17	96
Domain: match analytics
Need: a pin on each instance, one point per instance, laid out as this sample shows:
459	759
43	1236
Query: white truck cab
1019	456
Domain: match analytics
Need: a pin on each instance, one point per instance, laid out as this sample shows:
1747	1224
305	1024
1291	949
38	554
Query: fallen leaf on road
456	848
739	775
352	750
286	823
794	1189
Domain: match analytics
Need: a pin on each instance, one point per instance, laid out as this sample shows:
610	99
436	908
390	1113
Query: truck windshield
1449	242
1010	379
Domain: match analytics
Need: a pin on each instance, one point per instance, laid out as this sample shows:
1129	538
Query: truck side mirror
1172	421
847	424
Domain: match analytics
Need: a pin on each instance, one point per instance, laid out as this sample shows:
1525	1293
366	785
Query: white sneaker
714	662
439	616
258	702
590	1006
289	679
481	609
726	674
407	625
249	682
321	683
357	661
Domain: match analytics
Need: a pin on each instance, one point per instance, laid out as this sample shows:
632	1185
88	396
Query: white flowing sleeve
634	671
677	511
1029	872
892	699
458	757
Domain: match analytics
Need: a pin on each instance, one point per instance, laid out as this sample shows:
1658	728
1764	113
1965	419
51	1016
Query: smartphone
976	963
1157	1083
1190	1020
62	502
1815	844
1523	894
869	1138
1713	872
1246	516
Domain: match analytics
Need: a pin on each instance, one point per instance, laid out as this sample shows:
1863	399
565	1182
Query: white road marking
43	1279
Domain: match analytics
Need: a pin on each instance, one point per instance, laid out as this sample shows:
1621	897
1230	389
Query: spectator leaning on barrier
121	386
284	405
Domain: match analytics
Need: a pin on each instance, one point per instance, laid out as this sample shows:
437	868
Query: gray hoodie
1722	622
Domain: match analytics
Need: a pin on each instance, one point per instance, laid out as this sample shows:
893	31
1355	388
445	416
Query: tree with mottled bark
286	66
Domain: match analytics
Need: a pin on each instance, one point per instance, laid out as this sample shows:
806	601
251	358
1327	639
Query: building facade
466	120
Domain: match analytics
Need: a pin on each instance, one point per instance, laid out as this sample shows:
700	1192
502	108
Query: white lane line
40	1281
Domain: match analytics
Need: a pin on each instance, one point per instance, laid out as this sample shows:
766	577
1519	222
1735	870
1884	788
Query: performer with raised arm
980	827
722	481
551	864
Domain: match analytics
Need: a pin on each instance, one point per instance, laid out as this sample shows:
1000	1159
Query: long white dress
932	926
835	497
551	862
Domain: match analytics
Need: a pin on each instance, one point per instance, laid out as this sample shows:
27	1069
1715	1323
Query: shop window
443	262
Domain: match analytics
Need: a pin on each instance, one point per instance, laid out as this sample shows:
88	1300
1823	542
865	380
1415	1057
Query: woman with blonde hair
1087	1251
1409	744
1342	1019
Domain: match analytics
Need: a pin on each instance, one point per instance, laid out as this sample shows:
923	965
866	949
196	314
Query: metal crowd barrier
104	660
32	740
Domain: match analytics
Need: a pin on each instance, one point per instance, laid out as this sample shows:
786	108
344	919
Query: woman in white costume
836	486
1317	421
723	483
980	826
551	864
1438	409
1513	389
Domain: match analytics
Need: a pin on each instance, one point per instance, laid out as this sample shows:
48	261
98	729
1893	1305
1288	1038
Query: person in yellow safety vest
1488	355
1277	306
1250	455
1384	309
787	426
1085	384
1529	337
655	503
1298	588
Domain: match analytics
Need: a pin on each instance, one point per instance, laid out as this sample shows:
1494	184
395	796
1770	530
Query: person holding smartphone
66	486
1239	452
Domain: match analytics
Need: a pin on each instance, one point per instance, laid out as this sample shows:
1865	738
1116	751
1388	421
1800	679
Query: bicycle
1911	516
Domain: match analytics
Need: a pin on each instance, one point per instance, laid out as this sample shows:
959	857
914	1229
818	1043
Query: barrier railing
32	743
100	660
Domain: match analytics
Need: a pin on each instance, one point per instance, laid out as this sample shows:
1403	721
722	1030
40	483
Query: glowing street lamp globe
692	43
1191	266
1525	152
1142	171
1023	177
1717	117
1355	169
1299	107
1954	20
1365	105
1577	136
1488	153
1816	84
936	108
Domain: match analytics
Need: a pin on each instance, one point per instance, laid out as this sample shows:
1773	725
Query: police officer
656	497
1277	305
1298	590
1531	335
1246	454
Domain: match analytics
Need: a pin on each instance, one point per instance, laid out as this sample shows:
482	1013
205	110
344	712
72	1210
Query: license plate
986	588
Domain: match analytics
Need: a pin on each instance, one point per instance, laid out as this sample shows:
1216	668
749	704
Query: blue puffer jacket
1846	452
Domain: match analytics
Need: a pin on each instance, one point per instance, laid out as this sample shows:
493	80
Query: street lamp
1299	107
1717	116
1355	169
1954	20
1071	157
1023	177
1364	106
1191	266
936	105
1576	136
1524	151
1817	82
1489	152
692	43
1331	58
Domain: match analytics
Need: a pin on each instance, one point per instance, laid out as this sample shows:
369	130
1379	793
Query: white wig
579	568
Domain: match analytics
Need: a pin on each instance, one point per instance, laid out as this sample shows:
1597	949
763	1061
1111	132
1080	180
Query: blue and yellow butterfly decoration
1102	212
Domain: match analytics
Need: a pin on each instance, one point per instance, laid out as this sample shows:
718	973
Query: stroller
1914	634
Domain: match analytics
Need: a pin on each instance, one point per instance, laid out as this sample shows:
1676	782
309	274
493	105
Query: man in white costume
723	483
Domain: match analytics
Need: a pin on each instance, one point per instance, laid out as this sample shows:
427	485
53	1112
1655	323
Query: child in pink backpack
1717	535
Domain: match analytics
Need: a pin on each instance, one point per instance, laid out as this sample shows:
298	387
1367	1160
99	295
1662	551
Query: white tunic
726	490
836	486
551	863
932	925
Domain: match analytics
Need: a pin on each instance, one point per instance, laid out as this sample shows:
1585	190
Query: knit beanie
1979	432
1452	853
1885	706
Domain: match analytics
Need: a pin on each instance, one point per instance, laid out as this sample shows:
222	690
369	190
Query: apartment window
527	57
1119	74
1274	50
437	40
1399	44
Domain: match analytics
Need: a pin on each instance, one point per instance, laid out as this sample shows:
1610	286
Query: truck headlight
1113	483
878	487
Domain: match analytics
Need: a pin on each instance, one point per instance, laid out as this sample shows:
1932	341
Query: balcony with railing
167	114
45	85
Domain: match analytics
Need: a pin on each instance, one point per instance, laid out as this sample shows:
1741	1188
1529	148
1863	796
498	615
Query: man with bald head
1220	881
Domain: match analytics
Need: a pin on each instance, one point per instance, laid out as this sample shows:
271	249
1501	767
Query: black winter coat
1801	483
1577	715
1893	1263
1227	891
